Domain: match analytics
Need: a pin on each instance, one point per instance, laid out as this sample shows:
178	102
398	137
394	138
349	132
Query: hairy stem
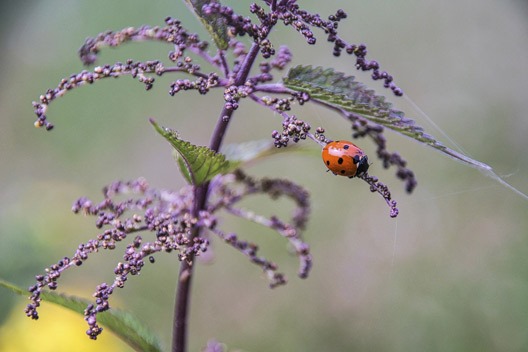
183	291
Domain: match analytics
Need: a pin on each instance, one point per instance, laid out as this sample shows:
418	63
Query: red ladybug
345	159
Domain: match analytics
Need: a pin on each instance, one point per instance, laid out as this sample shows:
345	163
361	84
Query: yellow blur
57	330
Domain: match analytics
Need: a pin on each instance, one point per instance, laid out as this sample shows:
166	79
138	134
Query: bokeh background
449	274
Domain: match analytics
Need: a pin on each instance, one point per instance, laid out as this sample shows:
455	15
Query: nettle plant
245	64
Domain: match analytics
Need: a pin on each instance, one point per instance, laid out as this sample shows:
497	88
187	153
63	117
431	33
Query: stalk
185	275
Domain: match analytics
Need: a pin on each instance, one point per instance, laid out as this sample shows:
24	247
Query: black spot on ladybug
343	172
355	159
340	161
328	162
346	146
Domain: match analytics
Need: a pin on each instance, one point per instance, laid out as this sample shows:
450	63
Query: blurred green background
449	274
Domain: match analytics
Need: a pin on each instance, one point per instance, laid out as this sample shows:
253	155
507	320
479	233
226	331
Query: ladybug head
362	166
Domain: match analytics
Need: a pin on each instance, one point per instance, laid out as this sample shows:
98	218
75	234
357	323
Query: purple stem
273	5
181	309
223	63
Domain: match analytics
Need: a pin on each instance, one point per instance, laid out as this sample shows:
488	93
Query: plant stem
182	303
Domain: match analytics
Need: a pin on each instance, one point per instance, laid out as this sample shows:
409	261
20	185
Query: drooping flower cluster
383	190
226	196
362	129
162	221
288	12
172	33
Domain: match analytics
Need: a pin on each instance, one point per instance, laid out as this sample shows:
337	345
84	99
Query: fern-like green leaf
198	164
122	324
344	92
214	23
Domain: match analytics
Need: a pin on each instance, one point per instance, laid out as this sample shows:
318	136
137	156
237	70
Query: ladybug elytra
345	159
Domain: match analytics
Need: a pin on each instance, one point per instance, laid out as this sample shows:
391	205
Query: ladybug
345	159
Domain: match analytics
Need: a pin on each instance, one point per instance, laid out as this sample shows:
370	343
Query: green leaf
344	92
214	23
122	324
198	164
243	153
249	151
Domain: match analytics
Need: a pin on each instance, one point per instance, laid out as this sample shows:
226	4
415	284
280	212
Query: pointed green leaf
182	166
344	92
198	164
214	23
122	324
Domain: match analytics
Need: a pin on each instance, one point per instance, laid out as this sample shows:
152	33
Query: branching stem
181	309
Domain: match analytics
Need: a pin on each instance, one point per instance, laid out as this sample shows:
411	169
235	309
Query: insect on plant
244	63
